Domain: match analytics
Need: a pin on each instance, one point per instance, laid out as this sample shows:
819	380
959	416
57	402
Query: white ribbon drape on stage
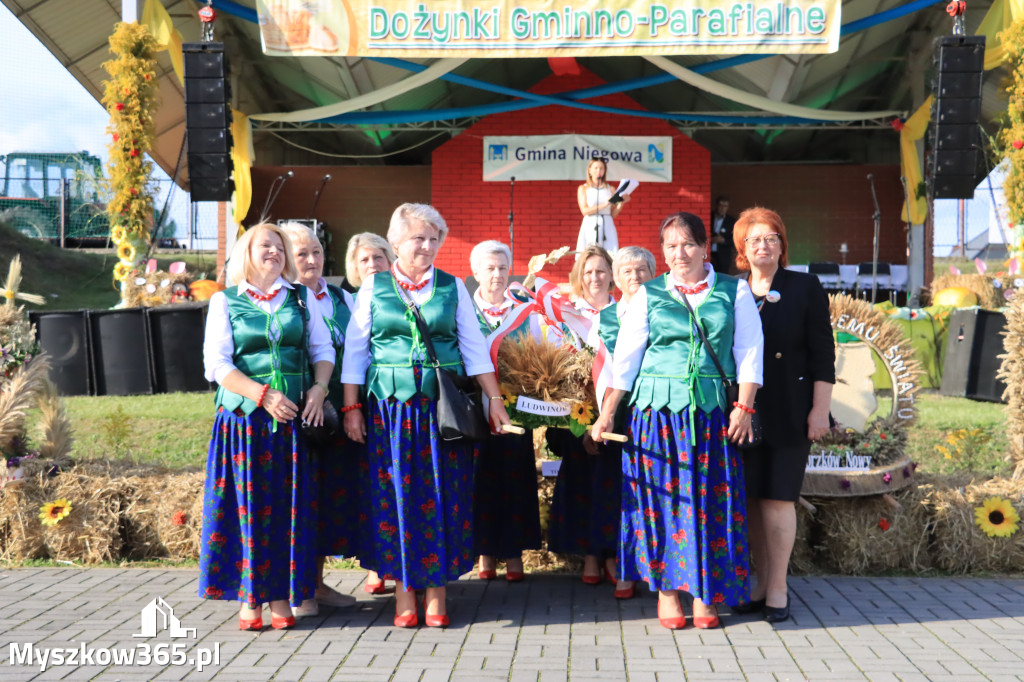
757	101
435	71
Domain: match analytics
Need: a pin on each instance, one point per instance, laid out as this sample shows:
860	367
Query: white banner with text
565	157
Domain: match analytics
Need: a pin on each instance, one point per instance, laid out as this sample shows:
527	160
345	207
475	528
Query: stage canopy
385	111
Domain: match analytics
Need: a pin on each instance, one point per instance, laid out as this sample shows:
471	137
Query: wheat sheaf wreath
862	320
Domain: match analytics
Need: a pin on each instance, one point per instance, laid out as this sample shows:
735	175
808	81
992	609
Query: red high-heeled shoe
486	575
409	620
707	622
627	593
282	622
673	622
514	576
439	620
255	624
374	588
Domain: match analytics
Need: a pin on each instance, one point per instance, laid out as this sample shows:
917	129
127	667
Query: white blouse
356	359
747	345
219	342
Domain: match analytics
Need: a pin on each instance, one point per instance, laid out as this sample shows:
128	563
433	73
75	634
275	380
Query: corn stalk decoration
130	97
1011	138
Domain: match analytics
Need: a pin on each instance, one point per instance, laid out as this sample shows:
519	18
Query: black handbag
460	412
317	436
732	389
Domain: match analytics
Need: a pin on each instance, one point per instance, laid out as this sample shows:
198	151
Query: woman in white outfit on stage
598	213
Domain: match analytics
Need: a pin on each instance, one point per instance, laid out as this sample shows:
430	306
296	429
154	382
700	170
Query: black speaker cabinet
176	336
208	121
973	347
120	352
64	336
956	138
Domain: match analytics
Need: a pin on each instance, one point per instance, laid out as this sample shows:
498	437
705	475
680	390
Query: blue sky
63	117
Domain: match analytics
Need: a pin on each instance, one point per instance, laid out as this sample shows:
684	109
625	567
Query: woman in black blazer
799	371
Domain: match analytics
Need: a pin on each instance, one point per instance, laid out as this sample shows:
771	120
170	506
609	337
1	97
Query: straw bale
989	297
854	543
21	533
137	296
960	546
802	560
1011	372
91	532
181	493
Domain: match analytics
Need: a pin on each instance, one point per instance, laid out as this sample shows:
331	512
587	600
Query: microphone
512	179
871	176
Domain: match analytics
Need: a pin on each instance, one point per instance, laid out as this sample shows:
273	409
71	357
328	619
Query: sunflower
996	517
52	512
121	271
118	234
581	413
126	252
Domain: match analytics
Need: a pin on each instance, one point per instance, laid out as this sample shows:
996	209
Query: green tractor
30	197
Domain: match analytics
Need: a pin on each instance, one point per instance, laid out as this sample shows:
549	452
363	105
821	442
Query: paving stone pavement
550	628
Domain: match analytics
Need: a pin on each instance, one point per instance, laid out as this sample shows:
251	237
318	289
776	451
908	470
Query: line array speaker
973	347
956	141
208	121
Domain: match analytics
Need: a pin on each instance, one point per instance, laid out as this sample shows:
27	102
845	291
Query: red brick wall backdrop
546	213
822	207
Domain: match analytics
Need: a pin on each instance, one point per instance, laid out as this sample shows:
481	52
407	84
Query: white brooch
773	296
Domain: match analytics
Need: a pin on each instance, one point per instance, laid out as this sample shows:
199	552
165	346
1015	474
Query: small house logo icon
497	152
158	615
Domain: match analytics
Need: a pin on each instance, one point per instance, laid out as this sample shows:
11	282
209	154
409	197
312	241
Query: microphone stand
275	189
877	217
316	195
511	221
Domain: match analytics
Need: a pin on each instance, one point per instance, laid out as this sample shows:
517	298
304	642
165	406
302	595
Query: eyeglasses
768	240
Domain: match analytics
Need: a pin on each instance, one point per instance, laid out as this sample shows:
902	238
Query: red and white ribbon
557	309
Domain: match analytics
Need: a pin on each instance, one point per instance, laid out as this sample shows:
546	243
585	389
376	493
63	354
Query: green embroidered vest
254	356
395	345
608	329
337	326
677	371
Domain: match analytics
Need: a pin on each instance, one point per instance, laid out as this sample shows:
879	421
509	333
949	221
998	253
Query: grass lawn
73	279
173	430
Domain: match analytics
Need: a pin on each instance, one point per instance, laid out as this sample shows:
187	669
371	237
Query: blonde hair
406	213
364	240
596	159
576	274
240	268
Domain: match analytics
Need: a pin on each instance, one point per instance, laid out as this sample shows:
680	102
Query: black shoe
753	606
774	614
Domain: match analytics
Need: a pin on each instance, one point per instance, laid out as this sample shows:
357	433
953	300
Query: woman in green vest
584	515
335	466
258	541
683	502
631	267
421	502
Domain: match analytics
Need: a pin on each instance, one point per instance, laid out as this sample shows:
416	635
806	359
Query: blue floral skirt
259	519
336	476
506	511
420	500
585	506
684	507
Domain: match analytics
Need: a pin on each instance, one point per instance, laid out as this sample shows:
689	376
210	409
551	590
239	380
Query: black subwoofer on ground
956	137
208	122
176	336
120	352
973	347
64	336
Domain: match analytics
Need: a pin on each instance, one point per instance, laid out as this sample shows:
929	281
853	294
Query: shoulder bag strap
422	325
704	340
